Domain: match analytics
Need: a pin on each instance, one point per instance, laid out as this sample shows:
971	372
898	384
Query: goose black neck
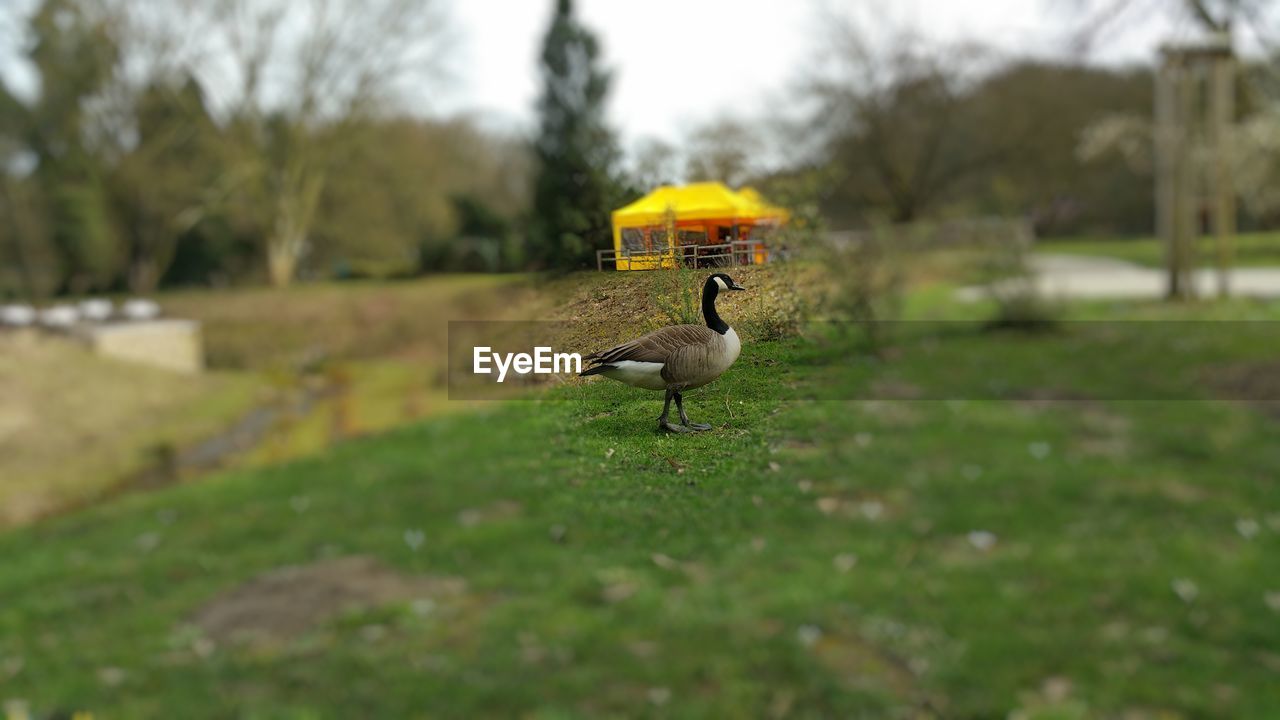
709	292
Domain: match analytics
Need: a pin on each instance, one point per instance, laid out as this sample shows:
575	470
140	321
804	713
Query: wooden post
1223	120
1167	138
1195	115
1187	223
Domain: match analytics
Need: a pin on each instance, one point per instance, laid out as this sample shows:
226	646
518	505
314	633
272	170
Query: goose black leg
700	427
666	410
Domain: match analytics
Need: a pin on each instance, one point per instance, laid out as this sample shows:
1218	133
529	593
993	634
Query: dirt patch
500	511
1099	432
1050	398
893	389
1257	383
865	666
20	509
285	603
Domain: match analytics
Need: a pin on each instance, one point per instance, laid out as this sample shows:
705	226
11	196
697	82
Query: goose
675	358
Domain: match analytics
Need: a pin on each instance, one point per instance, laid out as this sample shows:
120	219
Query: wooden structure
700	225
1195	190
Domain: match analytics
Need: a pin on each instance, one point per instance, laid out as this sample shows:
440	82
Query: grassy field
1251	249
74	427
560	558
384	343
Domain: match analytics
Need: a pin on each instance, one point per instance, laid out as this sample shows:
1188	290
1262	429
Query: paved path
1098	278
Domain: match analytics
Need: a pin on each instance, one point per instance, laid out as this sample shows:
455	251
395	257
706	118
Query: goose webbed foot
672	427
699	427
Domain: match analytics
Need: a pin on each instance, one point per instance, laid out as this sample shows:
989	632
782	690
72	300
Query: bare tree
726	150
310	74
1103	18
897	118
655	162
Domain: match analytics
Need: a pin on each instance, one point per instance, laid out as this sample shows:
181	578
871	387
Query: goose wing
656	347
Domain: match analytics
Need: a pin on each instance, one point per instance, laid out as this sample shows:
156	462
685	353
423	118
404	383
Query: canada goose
676	358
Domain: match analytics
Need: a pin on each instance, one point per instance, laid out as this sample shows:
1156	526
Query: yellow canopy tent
702	214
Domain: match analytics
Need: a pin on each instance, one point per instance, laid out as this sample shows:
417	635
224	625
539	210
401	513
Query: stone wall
170	344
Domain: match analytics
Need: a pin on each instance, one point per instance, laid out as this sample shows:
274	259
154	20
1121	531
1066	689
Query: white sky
679	62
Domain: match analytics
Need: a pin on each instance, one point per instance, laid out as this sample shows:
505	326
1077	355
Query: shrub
1006	273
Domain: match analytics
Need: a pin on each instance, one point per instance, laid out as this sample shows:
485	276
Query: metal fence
737	252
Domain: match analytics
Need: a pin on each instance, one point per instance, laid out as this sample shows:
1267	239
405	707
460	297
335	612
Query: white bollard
96	310
17	315
139	309
59	317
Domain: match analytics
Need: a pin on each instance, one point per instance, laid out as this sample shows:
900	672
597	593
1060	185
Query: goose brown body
690	356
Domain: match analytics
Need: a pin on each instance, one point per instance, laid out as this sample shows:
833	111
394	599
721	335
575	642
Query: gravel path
1084	277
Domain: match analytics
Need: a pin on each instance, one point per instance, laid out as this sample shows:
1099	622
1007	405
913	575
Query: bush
677	294
1006	273
776	314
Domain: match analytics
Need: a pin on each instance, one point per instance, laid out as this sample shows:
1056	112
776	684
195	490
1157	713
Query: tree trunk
283	253
299	199
144	276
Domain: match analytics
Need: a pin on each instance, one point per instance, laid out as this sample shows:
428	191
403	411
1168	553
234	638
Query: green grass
806	559
1251	249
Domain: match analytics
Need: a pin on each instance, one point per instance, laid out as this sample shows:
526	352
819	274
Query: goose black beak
736	286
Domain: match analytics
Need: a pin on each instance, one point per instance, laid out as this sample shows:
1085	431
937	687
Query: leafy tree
393	208
1044	114
158	184
477	219
575	188
75	54
344	71
28	262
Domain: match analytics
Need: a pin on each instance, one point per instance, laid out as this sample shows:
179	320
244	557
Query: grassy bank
74	426
1092	558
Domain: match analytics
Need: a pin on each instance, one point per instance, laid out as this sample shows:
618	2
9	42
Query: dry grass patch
284	604
73	425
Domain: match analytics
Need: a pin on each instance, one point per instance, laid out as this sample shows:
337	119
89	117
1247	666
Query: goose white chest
732	348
